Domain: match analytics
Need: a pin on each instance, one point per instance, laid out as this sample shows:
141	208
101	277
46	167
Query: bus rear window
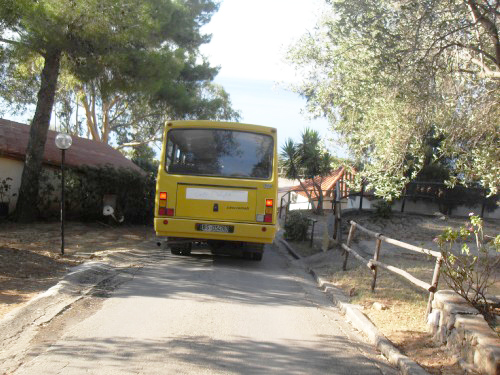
219	153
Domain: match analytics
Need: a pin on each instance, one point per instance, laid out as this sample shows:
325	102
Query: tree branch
489	26
88	115
137	143
488	73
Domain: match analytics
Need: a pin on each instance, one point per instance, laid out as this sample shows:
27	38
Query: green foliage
5	196
296	227
5	188
86	187
130	64
48	198
307	160
144	157
470	270
387	74
383	209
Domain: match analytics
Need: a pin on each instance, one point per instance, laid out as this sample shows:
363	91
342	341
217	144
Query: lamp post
63	142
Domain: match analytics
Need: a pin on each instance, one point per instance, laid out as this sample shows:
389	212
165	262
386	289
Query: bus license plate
215	228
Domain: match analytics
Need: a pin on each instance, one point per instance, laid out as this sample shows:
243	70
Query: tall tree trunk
26	208
319	194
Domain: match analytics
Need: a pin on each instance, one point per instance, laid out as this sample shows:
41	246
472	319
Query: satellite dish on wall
109	211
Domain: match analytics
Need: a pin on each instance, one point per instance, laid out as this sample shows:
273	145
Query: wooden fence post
313	221
338	202
339	221
404	200
435	281
375	257
361	196
335	219
352	229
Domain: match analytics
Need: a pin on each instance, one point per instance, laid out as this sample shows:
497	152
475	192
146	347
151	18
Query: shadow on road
207	277
125	355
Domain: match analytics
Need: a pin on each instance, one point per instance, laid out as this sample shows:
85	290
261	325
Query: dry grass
406	304
30	260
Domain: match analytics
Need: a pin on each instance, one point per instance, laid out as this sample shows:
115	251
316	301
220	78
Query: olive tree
389	73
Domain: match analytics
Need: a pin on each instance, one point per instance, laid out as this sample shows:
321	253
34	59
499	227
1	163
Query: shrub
5	196
85	188
383	209
470	271
296	227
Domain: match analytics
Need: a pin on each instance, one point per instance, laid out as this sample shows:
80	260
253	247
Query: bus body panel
216	202
243	232
195	203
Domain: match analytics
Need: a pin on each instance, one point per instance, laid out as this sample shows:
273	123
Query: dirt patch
402	319
31	260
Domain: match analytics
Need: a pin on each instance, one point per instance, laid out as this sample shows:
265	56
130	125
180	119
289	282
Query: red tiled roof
14	140
327	184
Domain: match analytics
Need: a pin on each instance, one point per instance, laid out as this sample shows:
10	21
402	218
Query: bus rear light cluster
162	209
268	217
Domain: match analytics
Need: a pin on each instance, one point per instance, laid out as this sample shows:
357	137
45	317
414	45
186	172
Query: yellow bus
217	184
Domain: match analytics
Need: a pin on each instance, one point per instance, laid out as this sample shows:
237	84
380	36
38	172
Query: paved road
206	315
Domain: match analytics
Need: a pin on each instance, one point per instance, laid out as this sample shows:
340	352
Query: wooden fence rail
374	263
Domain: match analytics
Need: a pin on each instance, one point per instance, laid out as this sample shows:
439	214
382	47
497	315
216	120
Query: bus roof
219	125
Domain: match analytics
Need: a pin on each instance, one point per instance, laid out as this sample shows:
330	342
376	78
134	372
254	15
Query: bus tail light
268	217
162	204
163	211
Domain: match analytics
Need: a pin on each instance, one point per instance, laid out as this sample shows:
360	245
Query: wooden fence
374	263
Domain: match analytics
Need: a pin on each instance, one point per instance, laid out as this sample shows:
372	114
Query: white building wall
353	202
423	207
13	169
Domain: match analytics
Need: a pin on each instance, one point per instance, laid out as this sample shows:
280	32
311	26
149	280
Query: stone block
433	321
465	332
473	323
454	342
443	297
455	308
450	324
488	338
487	360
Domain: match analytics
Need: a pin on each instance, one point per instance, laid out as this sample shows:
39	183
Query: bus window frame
175	149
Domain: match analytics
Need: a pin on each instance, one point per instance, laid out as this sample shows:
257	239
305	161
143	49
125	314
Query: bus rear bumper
242	232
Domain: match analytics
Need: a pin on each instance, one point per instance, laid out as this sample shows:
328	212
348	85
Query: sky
249	43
